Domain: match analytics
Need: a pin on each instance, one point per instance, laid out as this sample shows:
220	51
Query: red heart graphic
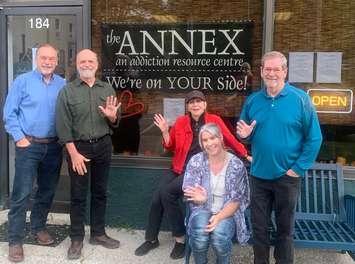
128	106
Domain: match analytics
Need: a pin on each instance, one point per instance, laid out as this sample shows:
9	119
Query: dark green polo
77	113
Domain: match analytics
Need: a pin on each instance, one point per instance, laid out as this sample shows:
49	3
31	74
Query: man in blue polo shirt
29	116
282	126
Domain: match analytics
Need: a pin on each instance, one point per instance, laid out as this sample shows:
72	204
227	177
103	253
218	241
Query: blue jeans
220	238
41	161
281	194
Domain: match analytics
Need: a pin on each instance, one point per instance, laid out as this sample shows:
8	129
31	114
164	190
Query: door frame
82	10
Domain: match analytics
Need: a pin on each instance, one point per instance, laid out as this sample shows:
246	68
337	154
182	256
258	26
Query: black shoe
146	247
105	241
178	251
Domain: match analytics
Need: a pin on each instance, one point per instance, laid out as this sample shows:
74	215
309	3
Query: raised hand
243	129
110	109
160	122
196	194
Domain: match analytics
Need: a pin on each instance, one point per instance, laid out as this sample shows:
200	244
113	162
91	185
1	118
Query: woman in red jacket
182	140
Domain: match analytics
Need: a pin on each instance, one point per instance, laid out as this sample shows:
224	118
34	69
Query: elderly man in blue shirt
282	126
29	116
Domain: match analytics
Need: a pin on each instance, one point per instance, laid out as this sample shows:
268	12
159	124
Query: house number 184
39	22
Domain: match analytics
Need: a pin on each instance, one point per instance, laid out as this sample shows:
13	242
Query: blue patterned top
236	189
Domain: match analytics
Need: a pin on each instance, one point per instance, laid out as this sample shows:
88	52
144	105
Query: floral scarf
236	189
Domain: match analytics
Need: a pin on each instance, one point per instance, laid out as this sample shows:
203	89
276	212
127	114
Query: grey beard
87	73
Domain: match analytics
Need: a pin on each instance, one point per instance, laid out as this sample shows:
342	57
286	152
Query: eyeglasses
45	58
275	70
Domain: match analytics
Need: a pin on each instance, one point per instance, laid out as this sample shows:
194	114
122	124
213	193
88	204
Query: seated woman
182	140
216	186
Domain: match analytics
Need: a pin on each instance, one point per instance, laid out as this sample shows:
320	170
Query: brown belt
41	140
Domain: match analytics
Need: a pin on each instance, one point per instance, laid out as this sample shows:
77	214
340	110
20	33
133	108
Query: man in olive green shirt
86	108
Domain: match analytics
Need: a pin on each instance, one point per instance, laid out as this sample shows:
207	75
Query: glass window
56	24
26	32
136	134
324	26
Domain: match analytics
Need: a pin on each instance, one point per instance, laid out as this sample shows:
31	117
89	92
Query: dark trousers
41	162
282	195
166	200
98	167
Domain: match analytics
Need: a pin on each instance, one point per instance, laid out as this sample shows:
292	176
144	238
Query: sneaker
146	247
178	251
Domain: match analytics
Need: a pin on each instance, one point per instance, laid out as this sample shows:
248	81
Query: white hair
212	129
274	54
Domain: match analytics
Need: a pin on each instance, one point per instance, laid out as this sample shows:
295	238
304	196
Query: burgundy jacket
181	139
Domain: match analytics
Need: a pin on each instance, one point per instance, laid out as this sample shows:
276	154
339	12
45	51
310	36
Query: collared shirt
286	135
30	106
78	114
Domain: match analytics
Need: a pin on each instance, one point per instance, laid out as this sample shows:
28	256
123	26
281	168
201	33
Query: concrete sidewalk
131	239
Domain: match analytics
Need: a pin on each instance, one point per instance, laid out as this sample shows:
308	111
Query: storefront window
318	36
154	52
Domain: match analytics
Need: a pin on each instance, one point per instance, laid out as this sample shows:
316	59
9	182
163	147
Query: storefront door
23	29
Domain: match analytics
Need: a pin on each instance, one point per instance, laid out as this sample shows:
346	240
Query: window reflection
26	33
147	142
318	30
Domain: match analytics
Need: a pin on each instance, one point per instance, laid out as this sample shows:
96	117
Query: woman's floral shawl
236	189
